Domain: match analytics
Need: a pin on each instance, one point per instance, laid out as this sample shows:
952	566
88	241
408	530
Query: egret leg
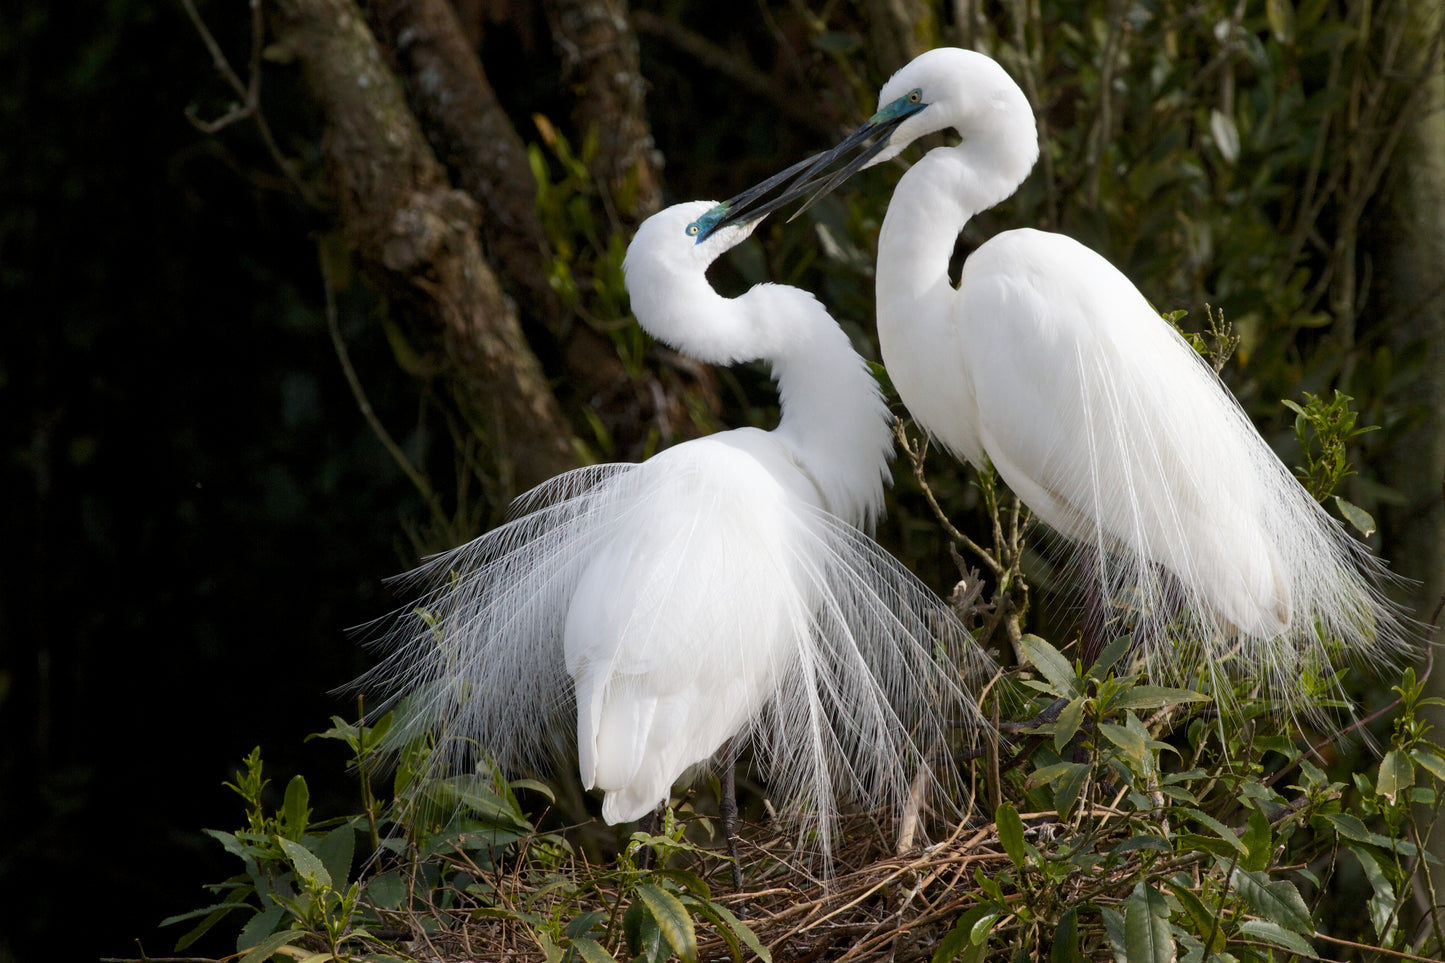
728	809
648	824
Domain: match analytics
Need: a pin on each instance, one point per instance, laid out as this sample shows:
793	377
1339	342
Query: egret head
685	236
667	261
946	88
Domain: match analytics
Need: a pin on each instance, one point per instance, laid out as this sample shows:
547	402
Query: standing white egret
1049	363
721	589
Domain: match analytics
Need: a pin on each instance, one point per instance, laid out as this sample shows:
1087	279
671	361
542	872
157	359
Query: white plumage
722	588
1046	361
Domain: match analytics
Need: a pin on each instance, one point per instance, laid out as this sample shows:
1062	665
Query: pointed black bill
812	178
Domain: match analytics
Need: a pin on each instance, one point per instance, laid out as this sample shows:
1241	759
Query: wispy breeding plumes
723	589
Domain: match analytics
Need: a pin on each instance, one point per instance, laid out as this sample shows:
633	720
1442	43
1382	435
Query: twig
916	454
1391	707
249	91
359	393
1372	949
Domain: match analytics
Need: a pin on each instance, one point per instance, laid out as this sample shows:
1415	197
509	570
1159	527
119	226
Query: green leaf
1223	831
536	786
1142	841
591	951
708	911
1209	844
386	891
1349	826
1110	657
689	881
644	937
988	885
1114	927
225	907
1200	915
1068	723
582	924
1067	793
1397	773
1129	741
1069	777
1382	903
1011	832
959	938
982	927
1430	761
1258	841
1361	520
214	914
673	919
742	931
294	809
552	953
1051	665
1146	926
306	864
1278	935
1065	948
265	949
1275	900
260	926
335	850
1044	775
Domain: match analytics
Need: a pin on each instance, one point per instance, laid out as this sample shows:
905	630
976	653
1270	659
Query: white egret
1046	361
722	589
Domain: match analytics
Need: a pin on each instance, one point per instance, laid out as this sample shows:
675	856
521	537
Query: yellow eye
915	96
692	230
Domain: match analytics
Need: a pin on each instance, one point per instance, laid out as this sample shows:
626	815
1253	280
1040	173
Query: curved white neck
834	423
834	417
932	203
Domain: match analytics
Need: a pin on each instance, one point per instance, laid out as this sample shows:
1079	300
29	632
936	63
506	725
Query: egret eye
693	229
915	96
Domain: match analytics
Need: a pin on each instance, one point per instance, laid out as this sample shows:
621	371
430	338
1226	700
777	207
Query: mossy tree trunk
418	240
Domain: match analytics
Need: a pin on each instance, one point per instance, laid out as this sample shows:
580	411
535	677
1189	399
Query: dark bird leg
648	824
728	809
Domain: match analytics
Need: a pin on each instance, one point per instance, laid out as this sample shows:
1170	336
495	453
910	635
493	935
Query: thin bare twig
333	325
916	453
249	91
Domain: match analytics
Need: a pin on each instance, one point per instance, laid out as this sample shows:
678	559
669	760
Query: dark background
194	512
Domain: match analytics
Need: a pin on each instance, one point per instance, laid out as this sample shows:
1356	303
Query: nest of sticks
876	905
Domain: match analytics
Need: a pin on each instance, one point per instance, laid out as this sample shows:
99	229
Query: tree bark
416	236
458	110
599	53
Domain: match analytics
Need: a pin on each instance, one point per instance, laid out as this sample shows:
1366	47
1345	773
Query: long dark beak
816	176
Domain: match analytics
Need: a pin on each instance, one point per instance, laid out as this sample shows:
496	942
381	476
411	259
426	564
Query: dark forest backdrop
195	505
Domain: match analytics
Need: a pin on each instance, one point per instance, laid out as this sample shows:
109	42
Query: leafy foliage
1130	824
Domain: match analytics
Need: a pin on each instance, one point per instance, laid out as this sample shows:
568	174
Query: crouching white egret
721	589
1049	363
